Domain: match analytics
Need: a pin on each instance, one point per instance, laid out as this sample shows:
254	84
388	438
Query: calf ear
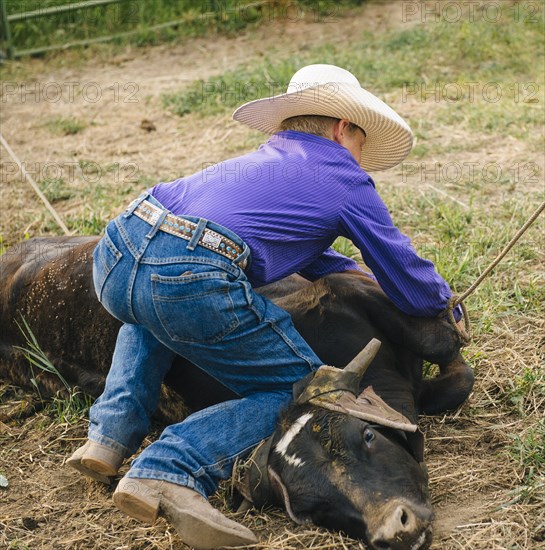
280	489
416	441
255	486
262	486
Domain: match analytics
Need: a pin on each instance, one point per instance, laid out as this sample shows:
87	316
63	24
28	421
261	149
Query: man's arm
411	282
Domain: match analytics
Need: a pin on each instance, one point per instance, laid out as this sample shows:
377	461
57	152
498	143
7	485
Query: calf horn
331	379
361	362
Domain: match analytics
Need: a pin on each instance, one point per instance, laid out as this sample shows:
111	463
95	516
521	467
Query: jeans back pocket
195	307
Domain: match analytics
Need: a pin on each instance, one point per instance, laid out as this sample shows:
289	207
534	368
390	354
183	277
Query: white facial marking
419	542
293	460
282	446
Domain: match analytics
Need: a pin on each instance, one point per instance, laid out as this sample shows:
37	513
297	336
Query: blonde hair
313	124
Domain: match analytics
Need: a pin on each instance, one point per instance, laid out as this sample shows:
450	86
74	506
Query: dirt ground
477	486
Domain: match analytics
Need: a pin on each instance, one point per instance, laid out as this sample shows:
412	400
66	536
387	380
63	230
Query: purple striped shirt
290	200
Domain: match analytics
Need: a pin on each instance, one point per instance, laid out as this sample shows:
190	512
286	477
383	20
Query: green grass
448	232
529	384
65	126
71	408
194	17
69	405
505	117
91	221
225	92
346	247
55	189
36	357
478	61
528	450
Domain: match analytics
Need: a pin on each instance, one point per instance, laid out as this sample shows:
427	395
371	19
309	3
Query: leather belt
180	227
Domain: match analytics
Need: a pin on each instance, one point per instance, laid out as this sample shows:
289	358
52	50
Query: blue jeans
176	297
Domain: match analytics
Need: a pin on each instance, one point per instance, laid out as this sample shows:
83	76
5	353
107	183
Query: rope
35	186
509	246
465	334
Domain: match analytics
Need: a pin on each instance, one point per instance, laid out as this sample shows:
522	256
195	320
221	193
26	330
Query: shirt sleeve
329	261
411	282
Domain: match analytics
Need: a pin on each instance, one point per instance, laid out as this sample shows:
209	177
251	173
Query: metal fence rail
13	52
60	9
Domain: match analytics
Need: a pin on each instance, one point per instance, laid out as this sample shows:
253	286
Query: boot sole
203	534
97	476
99	466
137	500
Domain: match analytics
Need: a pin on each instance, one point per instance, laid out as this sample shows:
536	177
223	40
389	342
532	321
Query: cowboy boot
96	461
199	524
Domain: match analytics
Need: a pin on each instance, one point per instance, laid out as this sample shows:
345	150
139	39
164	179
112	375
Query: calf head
346	462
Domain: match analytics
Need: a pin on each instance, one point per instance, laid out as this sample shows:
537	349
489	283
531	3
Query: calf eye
368	436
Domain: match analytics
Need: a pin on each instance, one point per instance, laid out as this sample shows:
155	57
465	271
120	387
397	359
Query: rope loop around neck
463	333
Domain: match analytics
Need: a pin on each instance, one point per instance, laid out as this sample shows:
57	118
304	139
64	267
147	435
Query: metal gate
13	52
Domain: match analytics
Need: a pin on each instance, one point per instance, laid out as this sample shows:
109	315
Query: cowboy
179	268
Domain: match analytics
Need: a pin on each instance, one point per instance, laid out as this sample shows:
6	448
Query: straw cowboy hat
328	90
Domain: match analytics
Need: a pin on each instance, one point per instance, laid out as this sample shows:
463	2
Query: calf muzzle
401	526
